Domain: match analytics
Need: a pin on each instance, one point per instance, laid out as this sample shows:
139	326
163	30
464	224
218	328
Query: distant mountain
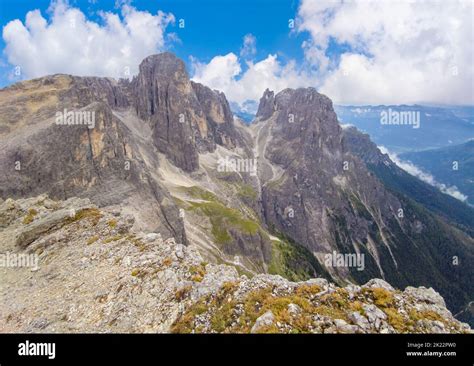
246	112
439	126
398	180
453	166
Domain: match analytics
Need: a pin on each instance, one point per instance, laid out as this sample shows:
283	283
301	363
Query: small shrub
181	293
92	239
30	216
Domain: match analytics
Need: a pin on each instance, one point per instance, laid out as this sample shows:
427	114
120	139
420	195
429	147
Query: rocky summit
144	205
95	273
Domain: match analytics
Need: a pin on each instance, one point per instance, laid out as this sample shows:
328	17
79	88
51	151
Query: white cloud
225	74
249	47
412	169
70	43
400	51
395	52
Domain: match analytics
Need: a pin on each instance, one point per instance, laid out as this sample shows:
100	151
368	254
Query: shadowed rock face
164	97
185	117
220	121
320	177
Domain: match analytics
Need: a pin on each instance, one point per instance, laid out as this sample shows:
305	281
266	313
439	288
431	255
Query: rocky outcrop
266	106
333	199
186	117
95	273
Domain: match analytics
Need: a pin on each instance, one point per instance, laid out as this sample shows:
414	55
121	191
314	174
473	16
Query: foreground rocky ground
96	274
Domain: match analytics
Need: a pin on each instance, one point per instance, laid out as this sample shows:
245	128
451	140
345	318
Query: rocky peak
305	123
186	117
157	73
266	107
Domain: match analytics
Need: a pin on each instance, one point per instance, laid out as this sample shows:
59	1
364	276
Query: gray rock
266	106
373	313
264	320
150	237
428	295
179	252
377	282
294	309
359	320
55	220
343	327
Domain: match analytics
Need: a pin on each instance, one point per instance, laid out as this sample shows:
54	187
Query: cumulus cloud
226	74
398	51
412	169
245	80
386	53
70	43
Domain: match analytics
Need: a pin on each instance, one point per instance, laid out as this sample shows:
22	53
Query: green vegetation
137	242
221	217
246	192
360	208
311	300
451	209
293	261
198	272
182	293
335	305
91	214
113	238
197	192
381	297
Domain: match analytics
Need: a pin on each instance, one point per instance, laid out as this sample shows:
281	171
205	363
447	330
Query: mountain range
452	166
287	194
439	126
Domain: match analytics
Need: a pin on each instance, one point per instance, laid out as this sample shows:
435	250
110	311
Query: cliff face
164	97
92	272
185	117
337	203
275	197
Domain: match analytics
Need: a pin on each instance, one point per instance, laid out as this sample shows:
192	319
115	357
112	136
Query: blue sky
360	52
